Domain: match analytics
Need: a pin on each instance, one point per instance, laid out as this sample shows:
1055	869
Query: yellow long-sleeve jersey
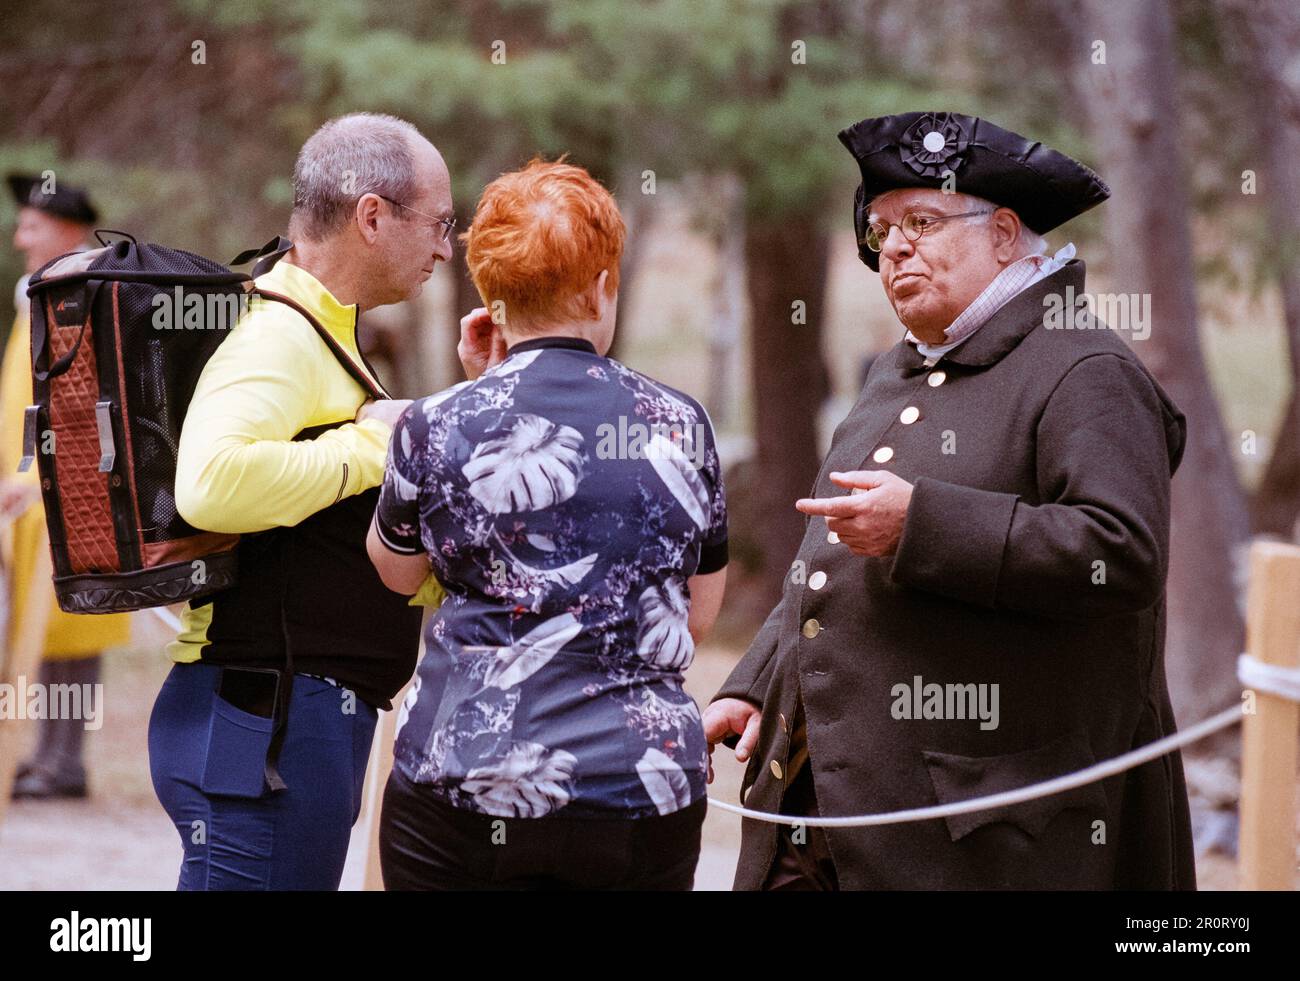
268	450
239	468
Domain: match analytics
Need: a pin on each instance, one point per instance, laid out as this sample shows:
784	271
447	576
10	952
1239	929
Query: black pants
427	844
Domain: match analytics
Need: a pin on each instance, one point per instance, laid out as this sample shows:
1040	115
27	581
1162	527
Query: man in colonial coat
978	602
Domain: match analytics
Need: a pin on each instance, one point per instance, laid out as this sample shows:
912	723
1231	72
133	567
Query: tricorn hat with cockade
972	156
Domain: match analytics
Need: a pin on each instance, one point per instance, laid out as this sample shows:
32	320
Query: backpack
120	336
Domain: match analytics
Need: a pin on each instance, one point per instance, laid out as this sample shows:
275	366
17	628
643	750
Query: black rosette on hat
934	143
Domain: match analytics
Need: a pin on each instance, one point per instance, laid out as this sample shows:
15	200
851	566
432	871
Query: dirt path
120	838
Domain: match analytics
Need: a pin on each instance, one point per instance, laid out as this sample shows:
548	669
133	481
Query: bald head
361	153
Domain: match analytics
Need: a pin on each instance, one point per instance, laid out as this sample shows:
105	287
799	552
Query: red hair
540	236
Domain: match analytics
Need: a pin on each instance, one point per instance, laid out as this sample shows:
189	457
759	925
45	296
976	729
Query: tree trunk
727	320
1276	505
1269	33
1134	115
638	212
787	266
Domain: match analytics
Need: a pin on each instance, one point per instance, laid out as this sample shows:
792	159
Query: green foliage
672	86
200	155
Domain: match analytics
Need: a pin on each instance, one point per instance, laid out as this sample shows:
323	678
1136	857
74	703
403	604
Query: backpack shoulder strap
372	386
267	256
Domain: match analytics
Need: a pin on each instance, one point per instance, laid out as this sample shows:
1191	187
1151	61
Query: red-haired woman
573	510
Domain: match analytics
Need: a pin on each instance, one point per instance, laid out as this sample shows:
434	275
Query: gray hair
360	153
1030	242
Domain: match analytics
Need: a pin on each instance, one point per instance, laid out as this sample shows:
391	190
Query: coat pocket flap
959	778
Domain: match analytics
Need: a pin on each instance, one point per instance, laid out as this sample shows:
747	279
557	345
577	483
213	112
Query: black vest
312	587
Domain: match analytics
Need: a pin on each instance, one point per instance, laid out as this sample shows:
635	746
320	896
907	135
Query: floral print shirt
563	500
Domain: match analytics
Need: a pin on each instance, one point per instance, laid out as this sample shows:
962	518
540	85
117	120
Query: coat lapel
1017	317
874	412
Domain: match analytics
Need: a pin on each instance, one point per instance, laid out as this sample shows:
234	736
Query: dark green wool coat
1033	557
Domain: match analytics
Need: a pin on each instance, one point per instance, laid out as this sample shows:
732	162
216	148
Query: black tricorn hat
67	202
925	149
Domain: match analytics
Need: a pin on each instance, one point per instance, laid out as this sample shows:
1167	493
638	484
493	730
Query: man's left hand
385	410
869	521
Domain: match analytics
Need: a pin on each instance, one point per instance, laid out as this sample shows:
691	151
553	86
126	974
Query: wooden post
1269	736
24	660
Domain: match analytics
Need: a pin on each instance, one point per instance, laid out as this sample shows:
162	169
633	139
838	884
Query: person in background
573	510
53	219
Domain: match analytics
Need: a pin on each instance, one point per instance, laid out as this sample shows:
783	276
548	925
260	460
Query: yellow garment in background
68	635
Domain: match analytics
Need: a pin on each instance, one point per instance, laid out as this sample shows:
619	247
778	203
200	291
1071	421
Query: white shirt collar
1015	278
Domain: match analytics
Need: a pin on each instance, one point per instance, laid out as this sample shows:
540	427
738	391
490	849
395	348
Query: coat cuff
366	445
953	540
747	687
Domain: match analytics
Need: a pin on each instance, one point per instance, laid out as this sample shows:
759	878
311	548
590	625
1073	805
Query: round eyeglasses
913	225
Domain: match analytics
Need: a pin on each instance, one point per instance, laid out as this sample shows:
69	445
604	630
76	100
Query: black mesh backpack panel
120	336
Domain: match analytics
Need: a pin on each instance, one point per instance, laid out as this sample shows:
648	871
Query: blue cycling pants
206	757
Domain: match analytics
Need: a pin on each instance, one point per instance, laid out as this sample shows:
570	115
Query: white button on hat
812	627
817	580
936	378
883	455
933	141
909	415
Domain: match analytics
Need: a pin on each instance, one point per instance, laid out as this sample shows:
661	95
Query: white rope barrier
1284	682
166	616
1099	771
1275	679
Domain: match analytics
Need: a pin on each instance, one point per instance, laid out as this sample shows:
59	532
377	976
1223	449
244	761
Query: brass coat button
811	627
909	415
784	725
776	769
